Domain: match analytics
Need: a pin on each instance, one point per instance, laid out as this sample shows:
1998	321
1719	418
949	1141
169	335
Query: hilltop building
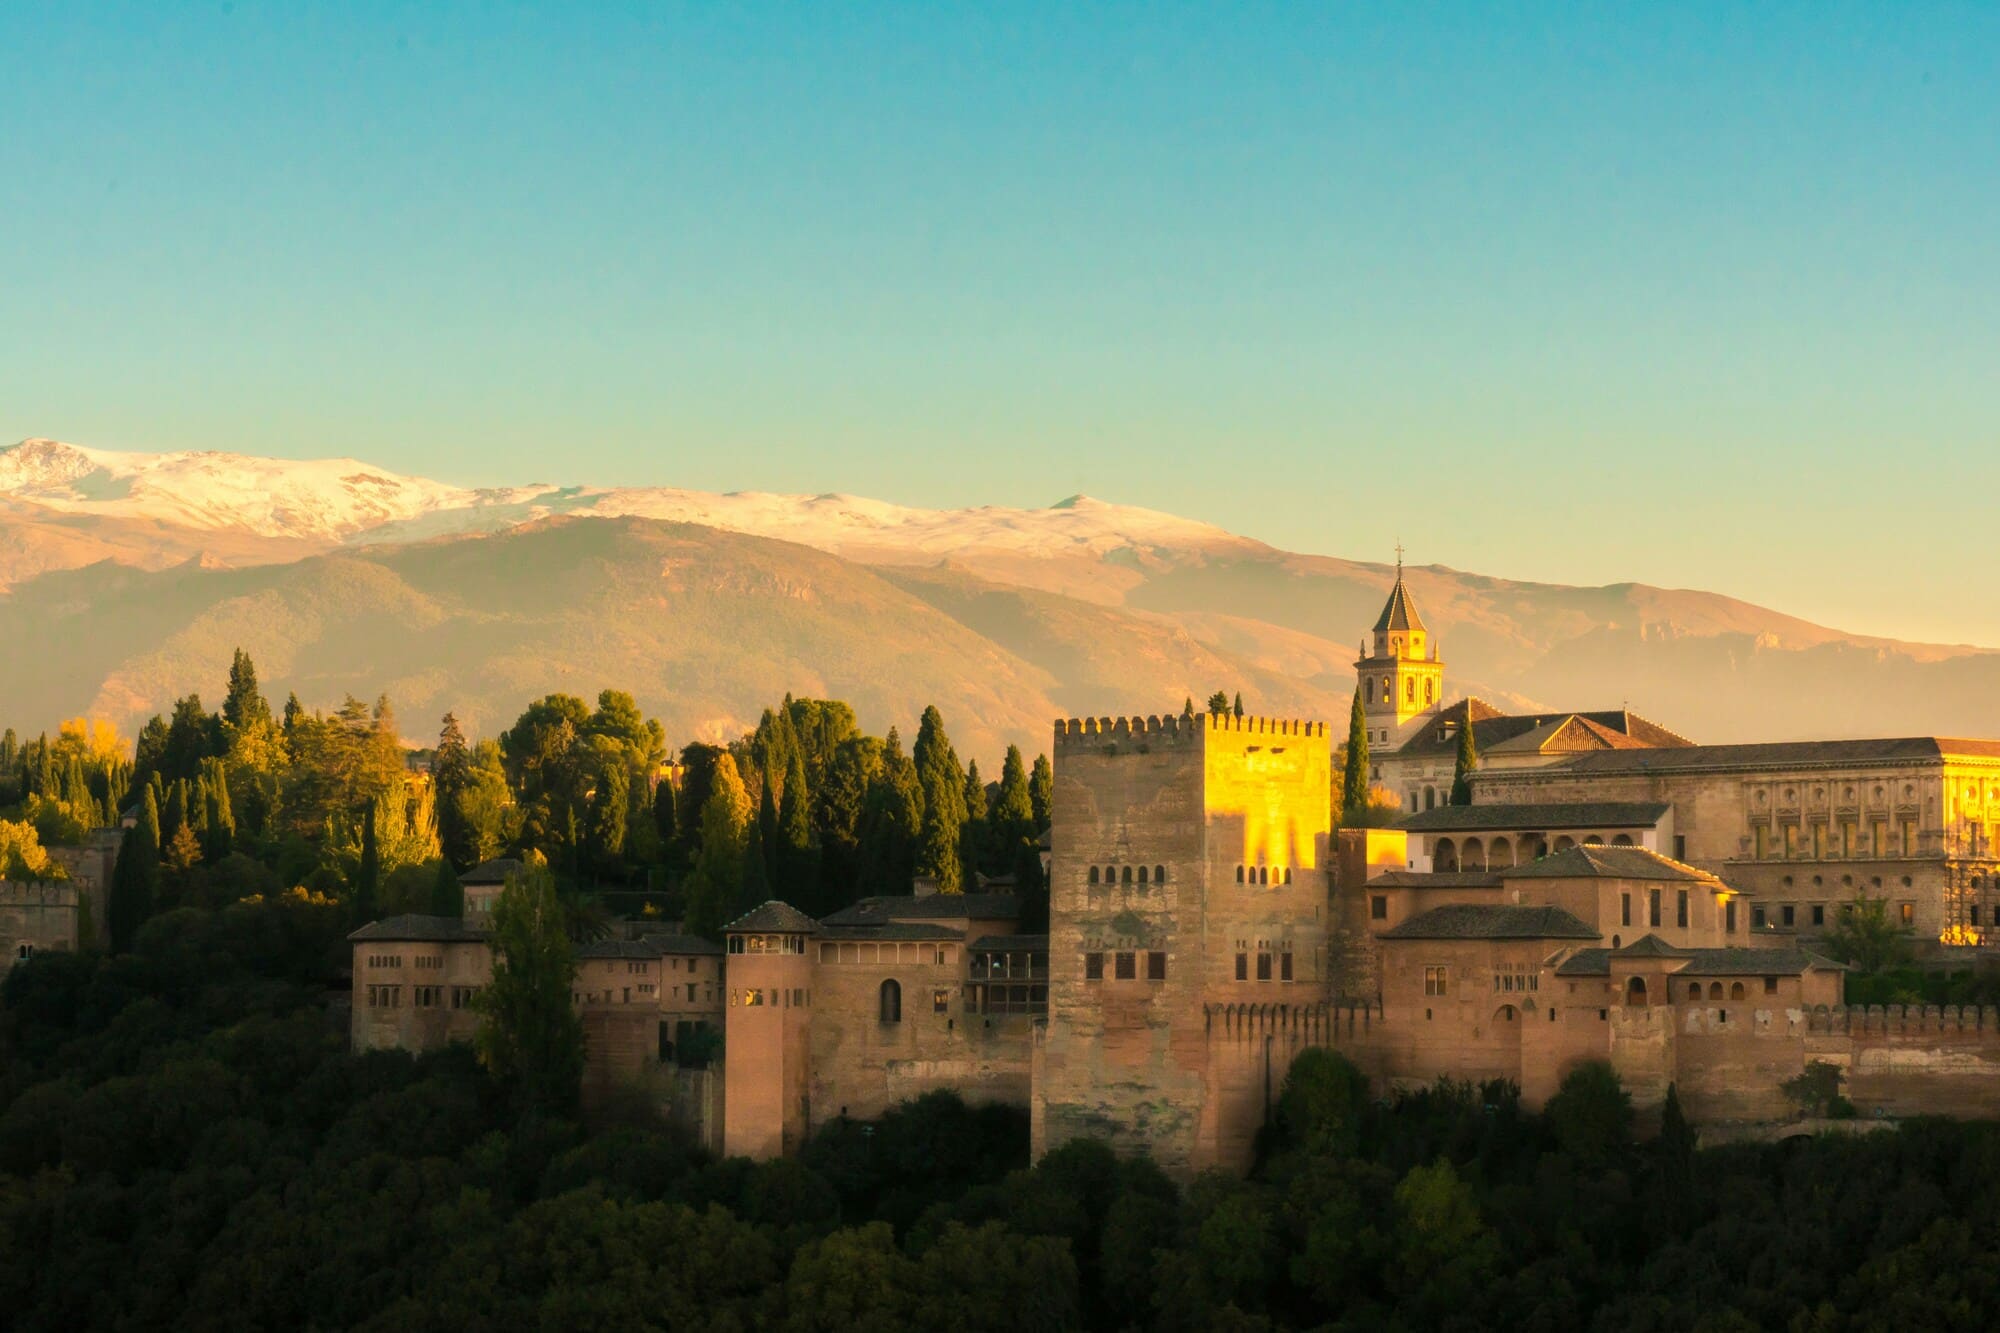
1613	891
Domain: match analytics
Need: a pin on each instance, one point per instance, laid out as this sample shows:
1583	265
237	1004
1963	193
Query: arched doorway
1622	840
891	1000
1500	855
1445	857
1565	842
1532	848
1504	1030
1635	992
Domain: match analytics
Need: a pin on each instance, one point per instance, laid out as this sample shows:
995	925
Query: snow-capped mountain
343	501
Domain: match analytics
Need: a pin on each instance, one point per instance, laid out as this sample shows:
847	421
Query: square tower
1188	873
1401	676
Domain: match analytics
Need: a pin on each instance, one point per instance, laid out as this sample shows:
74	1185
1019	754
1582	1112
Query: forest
186	1142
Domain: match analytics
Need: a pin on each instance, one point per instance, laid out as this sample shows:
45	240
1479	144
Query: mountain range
127	579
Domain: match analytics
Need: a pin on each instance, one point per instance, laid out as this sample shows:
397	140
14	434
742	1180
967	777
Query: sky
1694	295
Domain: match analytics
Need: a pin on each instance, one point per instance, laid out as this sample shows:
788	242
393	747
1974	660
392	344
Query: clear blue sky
1697	295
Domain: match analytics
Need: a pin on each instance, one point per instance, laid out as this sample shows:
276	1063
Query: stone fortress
1613	891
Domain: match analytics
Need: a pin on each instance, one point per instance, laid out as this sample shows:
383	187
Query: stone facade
36	916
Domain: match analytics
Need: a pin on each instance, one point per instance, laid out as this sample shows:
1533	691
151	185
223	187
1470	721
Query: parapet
1896	1020
37	893
1179	728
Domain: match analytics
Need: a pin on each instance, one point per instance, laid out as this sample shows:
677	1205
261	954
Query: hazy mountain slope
705	627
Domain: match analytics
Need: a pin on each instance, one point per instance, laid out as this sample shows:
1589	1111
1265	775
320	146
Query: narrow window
1653	906
1126	966
1787	914
1284	967
892	1001
1156	966
1770	985
1681	909
1242	967
1159	874
1093	967
1909	913
1378	907
1239	874
1624	909
1756	918
1729	916
940	1001
1126	877
1263	967
1093	874
1819	914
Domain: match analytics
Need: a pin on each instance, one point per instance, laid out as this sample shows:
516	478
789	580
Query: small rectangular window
1127	966
1788	914
1653	906
1624	909
1909	913
1156	966
1434	981
1819	914
1681	909
1378	908
1729	916
1263	967
1770	985
1242	967
940	1001
1284	967
1093	967
1756	918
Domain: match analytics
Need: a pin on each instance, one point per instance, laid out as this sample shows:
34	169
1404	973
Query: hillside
130	577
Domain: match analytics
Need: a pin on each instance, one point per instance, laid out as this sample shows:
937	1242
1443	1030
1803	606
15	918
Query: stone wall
36	916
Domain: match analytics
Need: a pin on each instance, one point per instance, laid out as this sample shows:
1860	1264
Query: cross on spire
1399	557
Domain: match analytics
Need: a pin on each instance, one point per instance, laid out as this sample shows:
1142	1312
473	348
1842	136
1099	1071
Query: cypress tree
717	875
666	815
767	831
755	884
221	818
1042	792
1468	759
1187	709
798	858
368	877
447	894
451	773
943	787
245	707
976	851
892	814
136	875
1354	779
607	816
1239	703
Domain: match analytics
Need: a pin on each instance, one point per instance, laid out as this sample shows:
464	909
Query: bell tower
1402	678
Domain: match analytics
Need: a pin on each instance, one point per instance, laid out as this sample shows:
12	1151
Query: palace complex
1613	891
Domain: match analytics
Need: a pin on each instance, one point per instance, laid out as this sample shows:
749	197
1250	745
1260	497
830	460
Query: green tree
1237	706
943	786
532	1037
451	771
892	820
368	878
1468	759
975	839
447	894
219	838
1439	1235
1863	936
767	823
1218	704
135	877
244	707
797	857
1324	1103
1591	1113
716	878
1354	778
1042	792
608	806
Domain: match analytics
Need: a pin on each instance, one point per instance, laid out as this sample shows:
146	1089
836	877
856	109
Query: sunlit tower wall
1187	872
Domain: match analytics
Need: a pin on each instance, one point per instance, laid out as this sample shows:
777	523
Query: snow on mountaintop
343	500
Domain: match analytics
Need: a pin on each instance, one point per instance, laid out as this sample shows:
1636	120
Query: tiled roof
1011	944
773	917
939	906
420	929
1436	879
1399	612
892	930
1596	861
1788	962
682	944
1576	814
494	871
1649	946
1554	732
1777	754
617	949
1481	921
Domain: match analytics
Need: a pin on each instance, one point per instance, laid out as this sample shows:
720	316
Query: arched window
1714	990
892	1001
1430	798
1093	874
1622	840
1592	840
1564	843
1263	874
1635	991
1159	874
1111	874
1410	689
1428	687
1445	856
1735	990
1127	876
1239	874
1142	874
1694	990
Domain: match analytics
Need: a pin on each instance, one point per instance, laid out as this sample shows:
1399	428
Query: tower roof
1400	613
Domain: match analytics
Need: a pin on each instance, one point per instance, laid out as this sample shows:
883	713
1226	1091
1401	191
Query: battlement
1183	729
1324	1021
37	893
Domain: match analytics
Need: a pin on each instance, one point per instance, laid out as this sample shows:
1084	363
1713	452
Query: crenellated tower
1402	678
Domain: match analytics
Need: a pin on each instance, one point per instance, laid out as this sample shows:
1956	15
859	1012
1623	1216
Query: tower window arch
1428	688
1093	874
1410	689
891	1001
1126	877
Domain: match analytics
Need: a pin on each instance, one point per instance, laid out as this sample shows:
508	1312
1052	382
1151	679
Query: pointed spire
1399	613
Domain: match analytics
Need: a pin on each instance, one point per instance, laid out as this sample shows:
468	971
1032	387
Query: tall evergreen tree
451	775
1042	792
244	707
368	876
532	1037
716	877
1468	759
447	894
797	859
767	829
136	875
666	815
892	817
1238	707
221	818
608	805
1354	778
943	785
975	842
756	879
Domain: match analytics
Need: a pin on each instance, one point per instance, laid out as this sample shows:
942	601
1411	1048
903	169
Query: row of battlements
1323	1020
37	893
1183	726
1748	1019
